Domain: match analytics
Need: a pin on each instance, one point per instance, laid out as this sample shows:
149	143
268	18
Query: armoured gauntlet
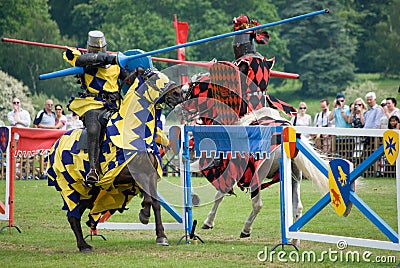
95	60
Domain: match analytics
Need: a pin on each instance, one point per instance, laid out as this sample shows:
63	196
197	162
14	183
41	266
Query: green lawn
47	241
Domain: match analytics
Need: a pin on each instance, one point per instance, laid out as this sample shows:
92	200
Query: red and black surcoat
224	173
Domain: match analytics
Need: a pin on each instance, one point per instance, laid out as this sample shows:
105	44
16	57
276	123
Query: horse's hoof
348	209
195	200
296	242
85	250
163	241
243	235
143	218
206	227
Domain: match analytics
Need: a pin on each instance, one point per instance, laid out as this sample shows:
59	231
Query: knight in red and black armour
255	67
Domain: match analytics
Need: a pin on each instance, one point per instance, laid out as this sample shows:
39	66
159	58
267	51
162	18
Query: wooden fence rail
26	168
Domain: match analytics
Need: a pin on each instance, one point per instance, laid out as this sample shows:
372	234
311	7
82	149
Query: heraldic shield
339	184
225	82
3	139
289	142
391	145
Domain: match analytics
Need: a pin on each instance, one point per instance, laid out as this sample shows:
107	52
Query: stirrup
92	177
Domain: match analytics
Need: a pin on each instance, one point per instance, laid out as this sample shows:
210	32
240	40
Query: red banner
33	141
182	29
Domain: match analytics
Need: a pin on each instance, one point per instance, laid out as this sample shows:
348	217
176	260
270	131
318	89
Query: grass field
47	241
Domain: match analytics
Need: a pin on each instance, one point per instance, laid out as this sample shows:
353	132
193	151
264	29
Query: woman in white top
61	119
302	118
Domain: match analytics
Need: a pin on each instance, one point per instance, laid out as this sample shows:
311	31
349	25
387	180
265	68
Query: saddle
82	143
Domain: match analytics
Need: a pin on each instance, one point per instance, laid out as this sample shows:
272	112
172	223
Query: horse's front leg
75	222
296	201
161	237
77	229
209	222
256	203
144	214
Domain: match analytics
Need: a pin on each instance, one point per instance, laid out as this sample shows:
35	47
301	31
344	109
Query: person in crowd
302	119
374	113
356	119
389	109
100	97
383	122
394	122
372	117
18	117
73	121
383	103
45	118
341	112
321	119
61	120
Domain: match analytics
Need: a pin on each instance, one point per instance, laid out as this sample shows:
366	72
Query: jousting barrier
341	177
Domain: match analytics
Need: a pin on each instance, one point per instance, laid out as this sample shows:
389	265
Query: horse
129	159
252	172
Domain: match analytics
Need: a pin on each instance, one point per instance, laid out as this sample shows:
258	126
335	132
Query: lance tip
327	10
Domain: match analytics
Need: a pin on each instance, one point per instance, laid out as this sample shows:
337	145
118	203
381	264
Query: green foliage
320	49
10	88
325	50
27	62
386	40
14	14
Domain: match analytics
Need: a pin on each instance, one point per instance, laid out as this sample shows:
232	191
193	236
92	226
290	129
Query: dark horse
130	162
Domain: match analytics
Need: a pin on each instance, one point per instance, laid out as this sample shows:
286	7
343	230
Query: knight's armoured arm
95	59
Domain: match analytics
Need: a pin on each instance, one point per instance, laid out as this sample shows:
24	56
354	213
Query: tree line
326	50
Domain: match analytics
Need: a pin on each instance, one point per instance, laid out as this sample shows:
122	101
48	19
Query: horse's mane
260	113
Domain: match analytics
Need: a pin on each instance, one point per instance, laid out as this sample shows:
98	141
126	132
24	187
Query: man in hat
255	67
100	97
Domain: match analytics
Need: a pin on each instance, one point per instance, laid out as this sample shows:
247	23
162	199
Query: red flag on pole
181	29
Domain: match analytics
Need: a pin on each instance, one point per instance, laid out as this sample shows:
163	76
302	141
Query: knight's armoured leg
93	128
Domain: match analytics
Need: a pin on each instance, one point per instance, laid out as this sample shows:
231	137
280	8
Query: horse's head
158	88
173	95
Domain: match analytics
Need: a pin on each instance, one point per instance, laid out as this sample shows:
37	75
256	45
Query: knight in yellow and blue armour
100	97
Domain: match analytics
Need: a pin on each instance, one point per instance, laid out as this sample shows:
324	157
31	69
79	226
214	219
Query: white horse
301	167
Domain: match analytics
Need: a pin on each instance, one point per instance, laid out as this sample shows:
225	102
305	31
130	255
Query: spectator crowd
50	117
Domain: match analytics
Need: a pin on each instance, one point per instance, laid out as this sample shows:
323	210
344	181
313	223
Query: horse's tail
311	172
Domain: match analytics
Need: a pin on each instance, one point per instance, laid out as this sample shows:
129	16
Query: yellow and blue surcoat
95	82
132	130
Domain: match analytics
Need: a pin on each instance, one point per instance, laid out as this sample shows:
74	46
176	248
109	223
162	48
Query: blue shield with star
339	184
391	145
